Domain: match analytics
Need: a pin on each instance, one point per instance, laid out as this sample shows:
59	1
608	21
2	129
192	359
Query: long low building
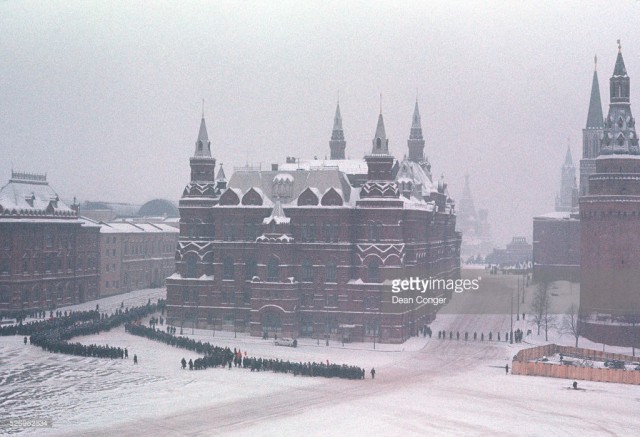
135	255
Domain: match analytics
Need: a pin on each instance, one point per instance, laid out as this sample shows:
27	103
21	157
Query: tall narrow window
373	271
331	272
273	270
192	267
227	267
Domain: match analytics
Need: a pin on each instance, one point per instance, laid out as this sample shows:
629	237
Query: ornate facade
309	248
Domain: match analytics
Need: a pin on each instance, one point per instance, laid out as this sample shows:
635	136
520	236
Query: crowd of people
216	356
518	335
53	334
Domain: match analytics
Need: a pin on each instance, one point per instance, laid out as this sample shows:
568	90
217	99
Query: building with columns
309	248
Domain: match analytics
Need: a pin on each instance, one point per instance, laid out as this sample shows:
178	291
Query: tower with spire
380	181
202	187
609	249
416	141
619	136
591	134
337	143
565	200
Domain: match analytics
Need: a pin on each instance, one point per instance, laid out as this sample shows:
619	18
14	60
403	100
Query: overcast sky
106	96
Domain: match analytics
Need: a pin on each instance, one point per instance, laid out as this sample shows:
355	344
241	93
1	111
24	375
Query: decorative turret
203	183
380	141
380	181
619	135
221	179
416	141
337	143
202	164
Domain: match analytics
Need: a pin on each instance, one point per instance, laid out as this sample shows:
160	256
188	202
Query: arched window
227	268
378	143
378	231
330	275
273	270
373	271
192	266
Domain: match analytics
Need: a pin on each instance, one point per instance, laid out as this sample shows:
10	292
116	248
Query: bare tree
540	304
570	323
540	308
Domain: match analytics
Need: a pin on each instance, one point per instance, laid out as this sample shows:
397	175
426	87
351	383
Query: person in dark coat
135	359
373	373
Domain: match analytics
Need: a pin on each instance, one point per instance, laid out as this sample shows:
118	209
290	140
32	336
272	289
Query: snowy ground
422	387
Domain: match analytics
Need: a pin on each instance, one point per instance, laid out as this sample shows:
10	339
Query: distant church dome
157	208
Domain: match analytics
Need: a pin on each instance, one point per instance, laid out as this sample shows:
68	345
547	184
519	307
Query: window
192	267
4	266
194	296
330	275
5	295
373	271
273	270
25	265
307	271
246	296
371	327
227	268
250	268
312	232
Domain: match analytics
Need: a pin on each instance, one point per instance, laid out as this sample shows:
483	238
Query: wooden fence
523	365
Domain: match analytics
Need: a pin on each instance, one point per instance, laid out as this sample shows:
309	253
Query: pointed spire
221	176
416	124
337	121
568	161
203	145
619	69
380	141
594	116
337	143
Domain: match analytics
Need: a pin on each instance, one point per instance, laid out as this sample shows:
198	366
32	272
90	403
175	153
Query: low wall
522	365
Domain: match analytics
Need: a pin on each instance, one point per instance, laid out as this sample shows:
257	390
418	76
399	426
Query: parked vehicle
284	341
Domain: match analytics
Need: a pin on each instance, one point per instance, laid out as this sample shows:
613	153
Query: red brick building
48	256
308	248
610	227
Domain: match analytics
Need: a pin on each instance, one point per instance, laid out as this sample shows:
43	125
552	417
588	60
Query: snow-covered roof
555	215
348	166
136	228
29	194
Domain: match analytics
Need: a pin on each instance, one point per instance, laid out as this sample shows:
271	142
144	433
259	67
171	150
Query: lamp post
518	299
511	333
